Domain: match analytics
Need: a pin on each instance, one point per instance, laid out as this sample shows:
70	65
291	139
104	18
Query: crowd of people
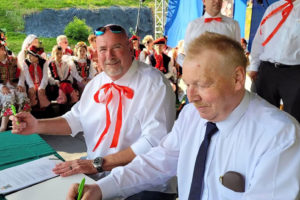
62	76
227	143
31	80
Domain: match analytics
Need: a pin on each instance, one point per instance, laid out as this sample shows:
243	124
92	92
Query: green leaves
78	30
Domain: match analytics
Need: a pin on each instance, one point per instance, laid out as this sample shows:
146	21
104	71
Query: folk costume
161	61
83	71
60	83
36	75
136	51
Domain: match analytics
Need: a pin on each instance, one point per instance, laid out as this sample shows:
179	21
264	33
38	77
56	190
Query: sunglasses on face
113	28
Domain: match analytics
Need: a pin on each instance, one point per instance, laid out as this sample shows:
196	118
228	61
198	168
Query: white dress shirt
284	47
256	140
147	117
227	26
29	81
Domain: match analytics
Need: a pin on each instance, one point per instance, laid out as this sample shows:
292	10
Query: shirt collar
125	79
206	15
228	124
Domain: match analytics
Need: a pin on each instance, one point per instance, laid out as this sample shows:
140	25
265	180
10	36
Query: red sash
39	71
286	10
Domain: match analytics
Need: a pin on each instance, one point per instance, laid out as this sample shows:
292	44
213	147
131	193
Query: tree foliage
78	30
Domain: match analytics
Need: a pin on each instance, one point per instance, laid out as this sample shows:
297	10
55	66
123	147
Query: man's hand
27	123
75	167
252	75
5	90
90	192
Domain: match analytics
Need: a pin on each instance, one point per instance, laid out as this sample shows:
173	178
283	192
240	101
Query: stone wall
51	23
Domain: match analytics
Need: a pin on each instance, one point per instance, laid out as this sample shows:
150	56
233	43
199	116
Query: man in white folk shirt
275	56
123	112
212	21
225	135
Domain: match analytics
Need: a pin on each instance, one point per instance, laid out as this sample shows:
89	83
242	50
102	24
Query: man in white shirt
123	112
212	21
275	56
253	141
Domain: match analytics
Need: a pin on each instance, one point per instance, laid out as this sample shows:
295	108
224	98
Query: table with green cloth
18	149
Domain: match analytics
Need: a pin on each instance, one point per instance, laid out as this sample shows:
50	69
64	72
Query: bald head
115	54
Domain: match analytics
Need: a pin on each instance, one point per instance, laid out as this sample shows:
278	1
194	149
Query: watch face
98	162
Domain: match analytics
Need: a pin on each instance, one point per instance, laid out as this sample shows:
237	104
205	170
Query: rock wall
51	23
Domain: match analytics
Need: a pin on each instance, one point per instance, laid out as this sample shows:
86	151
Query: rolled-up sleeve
73	119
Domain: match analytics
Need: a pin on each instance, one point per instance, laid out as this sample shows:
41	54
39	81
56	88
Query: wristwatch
97	162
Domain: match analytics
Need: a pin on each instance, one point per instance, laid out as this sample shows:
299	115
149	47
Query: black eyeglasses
113	28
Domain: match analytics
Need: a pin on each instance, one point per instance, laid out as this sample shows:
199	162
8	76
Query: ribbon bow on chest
106	98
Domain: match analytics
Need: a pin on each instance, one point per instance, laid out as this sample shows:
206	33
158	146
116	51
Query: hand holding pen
89	192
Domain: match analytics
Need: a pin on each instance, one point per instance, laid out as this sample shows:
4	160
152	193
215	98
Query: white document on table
21	176
56	188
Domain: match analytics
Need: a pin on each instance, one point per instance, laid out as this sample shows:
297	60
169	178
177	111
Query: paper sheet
56	188
18	177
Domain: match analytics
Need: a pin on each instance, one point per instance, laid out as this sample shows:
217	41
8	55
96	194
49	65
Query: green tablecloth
18	149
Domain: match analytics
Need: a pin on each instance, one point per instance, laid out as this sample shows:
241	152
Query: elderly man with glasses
123	112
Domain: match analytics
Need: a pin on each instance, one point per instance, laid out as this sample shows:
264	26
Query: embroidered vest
54	74
39	69
9	71
86	70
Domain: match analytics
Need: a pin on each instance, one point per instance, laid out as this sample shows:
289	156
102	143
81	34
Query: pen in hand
14	111
80	189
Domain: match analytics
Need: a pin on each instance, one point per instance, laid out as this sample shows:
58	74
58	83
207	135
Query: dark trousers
149	195
275	82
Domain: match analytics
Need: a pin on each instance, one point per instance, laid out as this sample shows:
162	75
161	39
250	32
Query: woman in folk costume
60	79
84	66
92	53
12	89
36	75
136	46
148	50
160	60
30	40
